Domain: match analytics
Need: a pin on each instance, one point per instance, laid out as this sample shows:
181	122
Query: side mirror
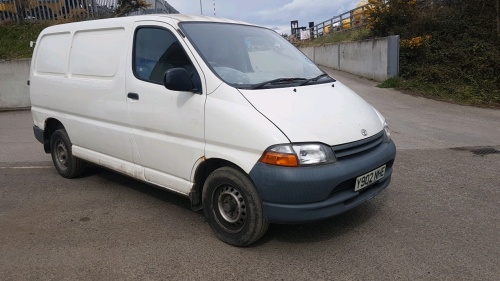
177	79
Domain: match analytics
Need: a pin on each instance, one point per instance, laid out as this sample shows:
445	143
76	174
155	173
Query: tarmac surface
438	220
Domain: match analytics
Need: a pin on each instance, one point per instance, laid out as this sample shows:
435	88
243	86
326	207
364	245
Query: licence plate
369	178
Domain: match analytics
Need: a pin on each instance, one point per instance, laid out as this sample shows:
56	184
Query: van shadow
329	229
321	231
105	175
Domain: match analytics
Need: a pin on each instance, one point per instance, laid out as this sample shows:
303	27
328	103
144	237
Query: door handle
133	96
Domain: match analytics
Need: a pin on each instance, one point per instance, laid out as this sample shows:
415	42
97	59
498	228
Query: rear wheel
233	207
66	164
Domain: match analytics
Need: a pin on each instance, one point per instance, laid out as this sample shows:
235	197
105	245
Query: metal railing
21	10
354	18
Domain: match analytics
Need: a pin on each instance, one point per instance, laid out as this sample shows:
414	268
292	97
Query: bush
451	45
16	38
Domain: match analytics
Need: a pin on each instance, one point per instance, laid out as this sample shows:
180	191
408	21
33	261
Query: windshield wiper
275	81
316	79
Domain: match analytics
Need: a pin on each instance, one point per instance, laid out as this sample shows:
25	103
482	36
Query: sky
275	14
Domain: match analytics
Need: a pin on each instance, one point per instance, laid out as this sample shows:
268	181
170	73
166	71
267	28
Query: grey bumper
305	194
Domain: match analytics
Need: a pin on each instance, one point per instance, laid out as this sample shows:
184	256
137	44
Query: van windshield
250	57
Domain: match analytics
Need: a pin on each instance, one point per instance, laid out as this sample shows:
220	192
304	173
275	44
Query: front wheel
66	164
233	207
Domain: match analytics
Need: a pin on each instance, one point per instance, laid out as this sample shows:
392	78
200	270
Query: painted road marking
28	167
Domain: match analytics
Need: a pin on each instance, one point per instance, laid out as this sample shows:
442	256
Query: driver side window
156	50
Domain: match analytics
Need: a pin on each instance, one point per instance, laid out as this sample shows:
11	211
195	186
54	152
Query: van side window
157	50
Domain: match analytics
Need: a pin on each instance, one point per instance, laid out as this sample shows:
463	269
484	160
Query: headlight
310	154
294	155
387	134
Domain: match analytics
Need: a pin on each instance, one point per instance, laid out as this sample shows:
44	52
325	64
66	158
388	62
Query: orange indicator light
279	159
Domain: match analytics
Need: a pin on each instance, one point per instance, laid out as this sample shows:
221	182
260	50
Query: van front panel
305	194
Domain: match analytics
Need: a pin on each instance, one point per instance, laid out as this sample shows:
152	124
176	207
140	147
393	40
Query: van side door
167	126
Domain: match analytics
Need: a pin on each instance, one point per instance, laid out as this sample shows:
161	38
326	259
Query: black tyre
66	164
233	207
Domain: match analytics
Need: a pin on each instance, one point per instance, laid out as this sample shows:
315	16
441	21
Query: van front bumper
306	194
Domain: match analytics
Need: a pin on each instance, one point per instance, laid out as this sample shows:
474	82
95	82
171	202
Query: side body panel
235	130
167	126
78	78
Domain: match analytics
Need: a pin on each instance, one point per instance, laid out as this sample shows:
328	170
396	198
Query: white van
208	108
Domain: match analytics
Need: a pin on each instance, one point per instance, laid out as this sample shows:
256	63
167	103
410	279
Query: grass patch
457	93
16	37
392	83
336	37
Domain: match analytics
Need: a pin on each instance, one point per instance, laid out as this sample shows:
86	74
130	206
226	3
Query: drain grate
481	151
484	151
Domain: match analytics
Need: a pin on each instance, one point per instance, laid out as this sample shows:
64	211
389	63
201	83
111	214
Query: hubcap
231	208
61	155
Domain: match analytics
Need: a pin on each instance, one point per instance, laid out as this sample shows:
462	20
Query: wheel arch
204	169
51	125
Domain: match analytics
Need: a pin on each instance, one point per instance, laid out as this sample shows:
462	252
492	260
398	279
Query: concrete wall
14	91
309	52
377	59
328	55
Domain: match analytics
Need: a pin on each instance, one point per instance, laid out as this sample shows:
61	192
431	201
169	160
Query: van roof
103	23
186	18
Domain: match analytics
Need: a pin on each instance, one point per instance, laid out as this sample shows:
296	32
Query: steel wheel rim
61	155
230	208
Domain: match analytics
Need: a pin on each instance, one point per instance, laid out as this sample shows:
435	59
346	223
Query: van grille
348	149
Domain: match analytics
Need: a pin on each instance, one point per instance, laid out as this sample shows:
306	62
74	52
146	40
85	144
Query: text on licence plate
369	178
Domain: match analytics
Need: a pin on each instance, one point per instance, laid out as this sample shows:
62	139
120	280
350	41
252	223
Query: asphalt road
438	220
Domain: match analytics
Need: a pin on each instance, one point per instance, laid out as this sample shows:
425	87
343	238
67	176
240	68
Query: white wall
309	52
376	59
328	55
14	91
